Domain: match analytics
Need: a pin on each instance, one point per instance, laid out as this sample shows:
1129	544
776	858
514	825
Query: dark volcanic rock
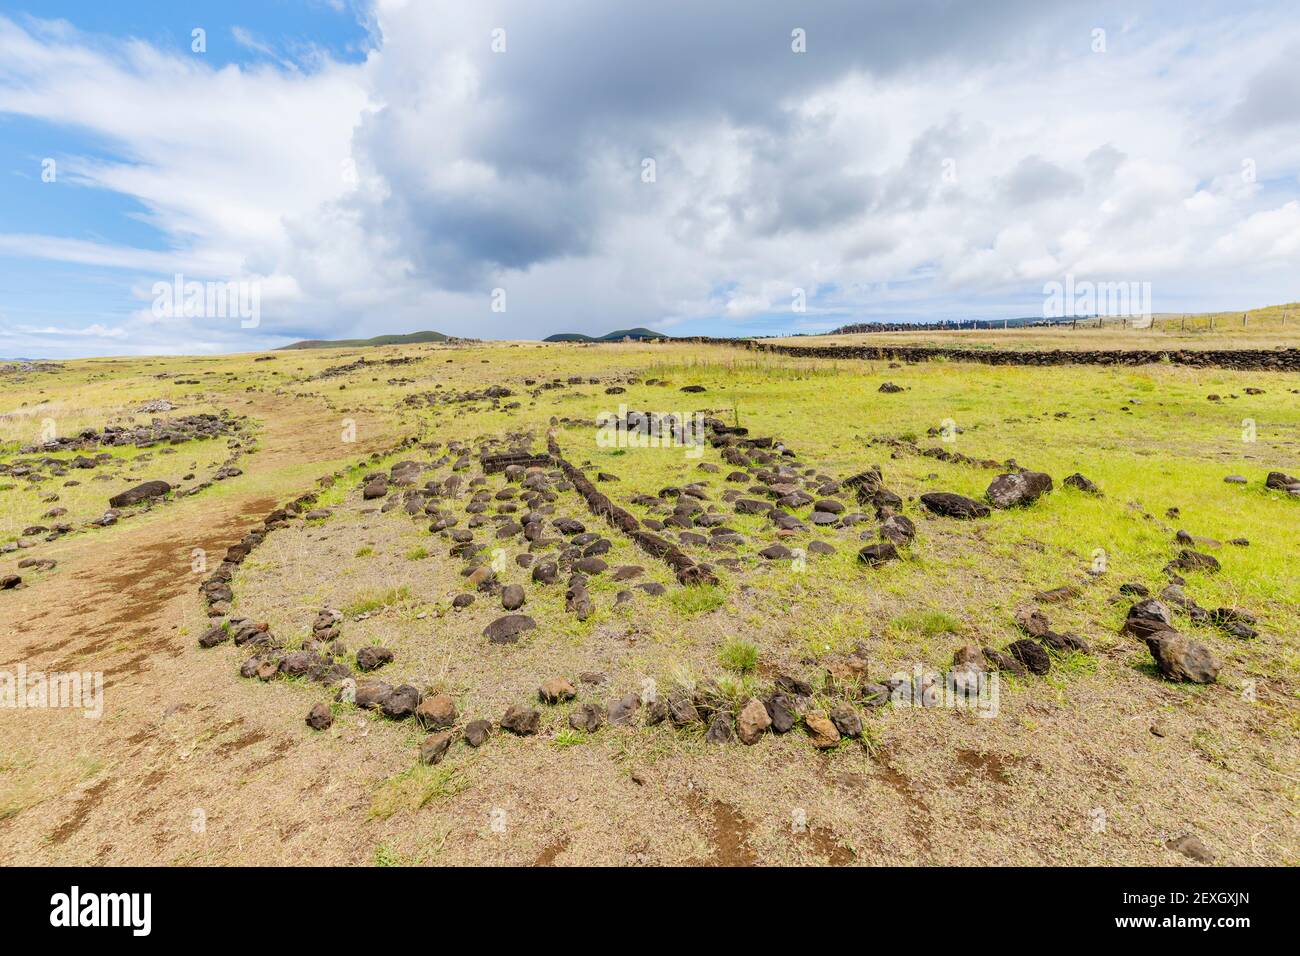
401	703
720	730
587	717
953	505
1018	488
320	717
782	711
1146	618
371	657
1179	658
506	630
846	720
477	732
523	721
371	693
875	555
1032	655
512	597
1189	560
897	529
141	492
1077	480
434	747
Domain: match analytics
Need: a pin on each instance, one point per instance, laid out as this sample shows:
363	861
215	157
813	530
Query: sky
346	168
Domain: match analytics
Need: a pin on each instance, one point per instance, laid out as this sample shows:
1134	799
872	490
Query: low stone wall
1261	360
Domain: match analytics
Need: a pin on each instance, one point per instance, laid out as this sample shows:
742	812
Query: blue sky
376	166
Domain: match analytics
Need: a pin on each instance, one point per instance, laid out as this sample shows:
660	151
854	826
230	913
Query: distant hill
617	335
410	338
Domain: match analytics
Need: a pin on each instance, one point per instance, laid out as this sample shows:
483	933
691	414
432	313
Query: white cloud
917	157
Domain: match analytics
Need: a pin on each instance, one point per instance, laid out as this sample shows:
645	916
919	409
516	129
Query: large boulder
141	492
1180	658
1018	488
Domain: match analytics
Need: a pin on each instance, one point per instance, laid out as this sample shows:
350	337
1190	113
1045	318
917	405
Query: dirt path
180	743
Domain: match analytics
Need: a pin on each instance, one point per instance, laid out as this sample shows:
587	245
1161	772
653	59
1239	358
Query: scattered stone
1018	489
371	693
506	630
373	656
875	555
215	635
1189	560
681	709
898	529
141	492
1282	482
1033	622
1179	658
720	730
951	505
823	732
1146	618
512	597
1004	662
621	710
477	732
320	717
587	718
889	388
522	721
556	690
846	720
752	722
1032	655
436	712
1191	846
1081	483
434	747
401	703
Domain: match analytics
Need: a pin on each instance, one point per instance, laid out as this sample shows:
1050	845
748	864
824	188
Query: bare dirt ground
181	740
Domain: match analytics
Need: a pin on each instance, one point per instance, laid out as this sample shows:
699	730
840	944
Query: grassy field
1272	327
1102	736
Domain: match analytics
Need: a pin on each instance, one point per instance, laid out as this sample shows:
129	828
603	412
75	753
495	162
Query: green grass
418	553
696	600
568	737
927	623
374	602
739	656
415	787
